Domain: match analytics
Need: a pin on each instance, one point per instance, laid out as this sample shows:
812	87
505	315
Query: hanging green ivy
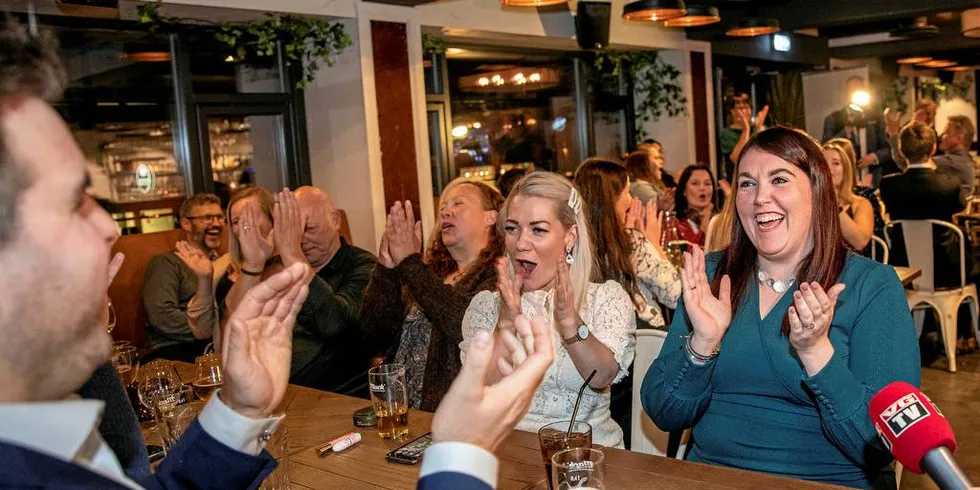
936	90
305	41
656	87
434	44
895	95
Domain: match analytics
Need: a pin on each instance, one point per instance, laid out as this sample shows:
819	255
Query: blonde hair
720	227
845	191
557	189
265	206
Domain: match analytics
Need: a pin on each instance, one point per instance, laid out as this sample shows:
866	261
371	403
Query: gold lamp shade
697	15
531	3
970	23
914	60
754	26
937	64
654	10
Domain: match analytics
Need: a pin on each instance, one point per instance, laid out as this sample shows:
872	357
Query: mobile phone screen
411	453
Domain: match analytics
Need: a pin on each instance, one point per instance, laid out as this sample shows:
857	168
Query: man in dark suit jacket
923	192
54	252
476	416
850	123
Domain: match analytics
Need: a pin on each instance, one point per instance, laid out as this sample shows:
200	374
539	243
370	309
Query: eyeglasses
220	218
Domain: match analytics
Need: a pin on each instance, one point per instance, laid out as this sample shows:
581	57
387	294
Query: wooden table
314	417
907	274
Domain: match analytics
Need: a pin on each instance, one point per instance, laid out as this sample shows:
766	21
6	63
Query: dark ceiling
840	21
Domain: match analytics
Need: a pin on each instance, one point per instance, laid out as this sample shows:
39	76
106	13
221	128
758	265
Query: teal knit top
755	408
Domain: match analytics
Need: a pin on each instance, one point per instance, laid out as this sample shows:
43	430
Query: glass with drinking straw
559	436
389	394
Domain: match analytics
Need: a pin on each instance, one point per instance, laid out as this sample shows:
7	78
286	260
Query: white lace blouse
611	318
657	279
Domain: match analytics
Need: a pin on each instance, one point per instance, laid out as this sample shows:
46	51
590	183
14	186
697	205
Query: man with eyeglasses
178	289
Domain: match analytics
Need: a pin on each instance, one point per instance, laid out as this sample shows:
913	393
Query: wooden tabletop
314	417
907	274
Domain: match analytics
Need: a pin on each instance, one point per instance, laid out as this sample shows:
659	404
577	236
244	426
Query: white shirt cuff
460	457
241	433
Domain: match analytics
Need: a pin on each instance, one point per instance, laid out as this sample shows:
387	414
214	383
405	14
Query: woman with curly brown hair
417	305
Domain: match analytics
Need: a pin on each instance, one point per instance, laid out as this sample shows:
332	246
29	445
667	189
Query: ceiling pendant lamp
654	10
531	3
970	23
697	15
754	26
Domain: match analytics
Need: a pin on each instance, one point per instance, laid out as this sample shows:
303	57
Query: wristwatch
581	334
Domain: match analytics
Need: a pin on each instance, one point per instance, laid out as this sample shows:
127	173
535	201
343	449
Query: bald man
328	352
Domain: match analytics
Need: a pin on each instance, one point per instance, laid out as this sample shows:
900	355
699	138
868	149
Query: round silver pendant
779	286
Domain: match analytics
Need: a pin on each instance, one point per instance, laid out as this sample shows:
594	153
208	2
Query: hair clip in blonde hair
575	201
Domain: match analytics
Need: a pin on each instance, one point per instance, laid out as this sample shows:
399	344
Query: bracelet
698	359
251	273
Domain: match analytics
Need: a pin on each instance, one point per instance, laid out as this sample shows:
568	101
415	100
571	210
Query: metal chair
876	240
918	237
646	437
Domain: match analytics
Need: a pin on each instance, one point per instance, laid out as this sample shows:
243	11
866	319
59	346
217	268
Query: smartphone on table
411	453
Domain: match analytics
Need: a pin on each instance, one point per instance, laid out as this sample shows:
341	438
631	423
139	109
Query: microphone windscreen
909	423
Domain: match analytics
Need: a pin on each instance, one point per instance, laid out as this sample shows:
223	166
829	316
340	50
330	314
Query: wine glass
158	383
209	375
124	360
111	324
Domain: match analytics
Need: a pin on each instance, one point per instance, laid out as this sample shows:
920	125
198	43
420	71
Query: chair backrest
126	291
918	238
646	437
345	226
877	242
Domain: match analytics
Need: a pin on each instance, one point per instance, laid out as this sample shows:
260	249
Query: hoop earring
568	256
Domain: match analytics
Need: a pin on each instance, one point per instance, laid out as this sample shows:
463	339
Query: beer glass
578	468
389	394
124	360
554	437
209	376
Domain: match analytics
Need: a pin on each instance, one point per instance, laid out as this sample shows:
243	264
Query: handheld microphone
917	434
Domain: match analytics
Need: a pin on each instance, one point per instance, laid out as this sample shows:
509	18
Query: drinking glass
278	447
158	382
554	437
578	468
175	421
389	394
124	360
209	376
111	324
164	405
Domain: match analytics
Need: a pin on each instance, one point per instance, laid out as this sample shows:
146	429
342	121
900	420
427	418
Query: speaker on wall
592	24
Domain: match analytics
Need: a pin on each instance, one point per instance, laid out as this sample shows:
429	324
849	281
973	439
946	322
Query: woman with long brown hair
417	304
631	253
646	170
777	355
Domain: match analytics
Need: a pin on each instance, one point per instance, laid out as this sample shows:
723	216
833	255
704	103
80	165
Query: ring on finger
809	326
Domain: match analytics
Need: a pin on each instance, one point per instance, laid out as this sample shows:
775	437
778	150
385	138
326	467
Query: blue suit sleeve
200	461
882	348
448	480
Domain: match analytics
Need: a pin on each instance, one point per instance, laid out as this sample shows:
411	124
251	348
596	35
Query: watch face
583	332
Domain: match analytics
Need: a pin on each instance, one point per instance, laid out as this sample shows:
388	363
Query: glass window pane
512	110
119	106
246	150
217	69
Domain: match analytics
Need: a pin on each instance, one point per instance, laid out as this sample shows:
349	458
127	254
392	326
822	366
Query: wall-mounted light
782	42
654	10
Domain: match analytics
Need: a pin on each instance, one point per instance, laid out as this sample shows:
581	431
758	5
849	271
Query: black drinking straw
577	401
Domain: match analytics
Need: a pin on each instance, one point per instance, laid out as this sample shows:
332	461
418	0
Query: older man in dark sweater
328	352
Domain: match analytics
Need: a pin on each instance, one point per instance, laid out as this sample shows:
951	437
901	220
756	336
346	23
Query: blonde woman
546	273
857	218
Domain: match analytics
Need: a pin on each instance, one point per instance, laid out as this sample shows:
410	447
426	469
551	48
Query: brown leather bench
126	291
